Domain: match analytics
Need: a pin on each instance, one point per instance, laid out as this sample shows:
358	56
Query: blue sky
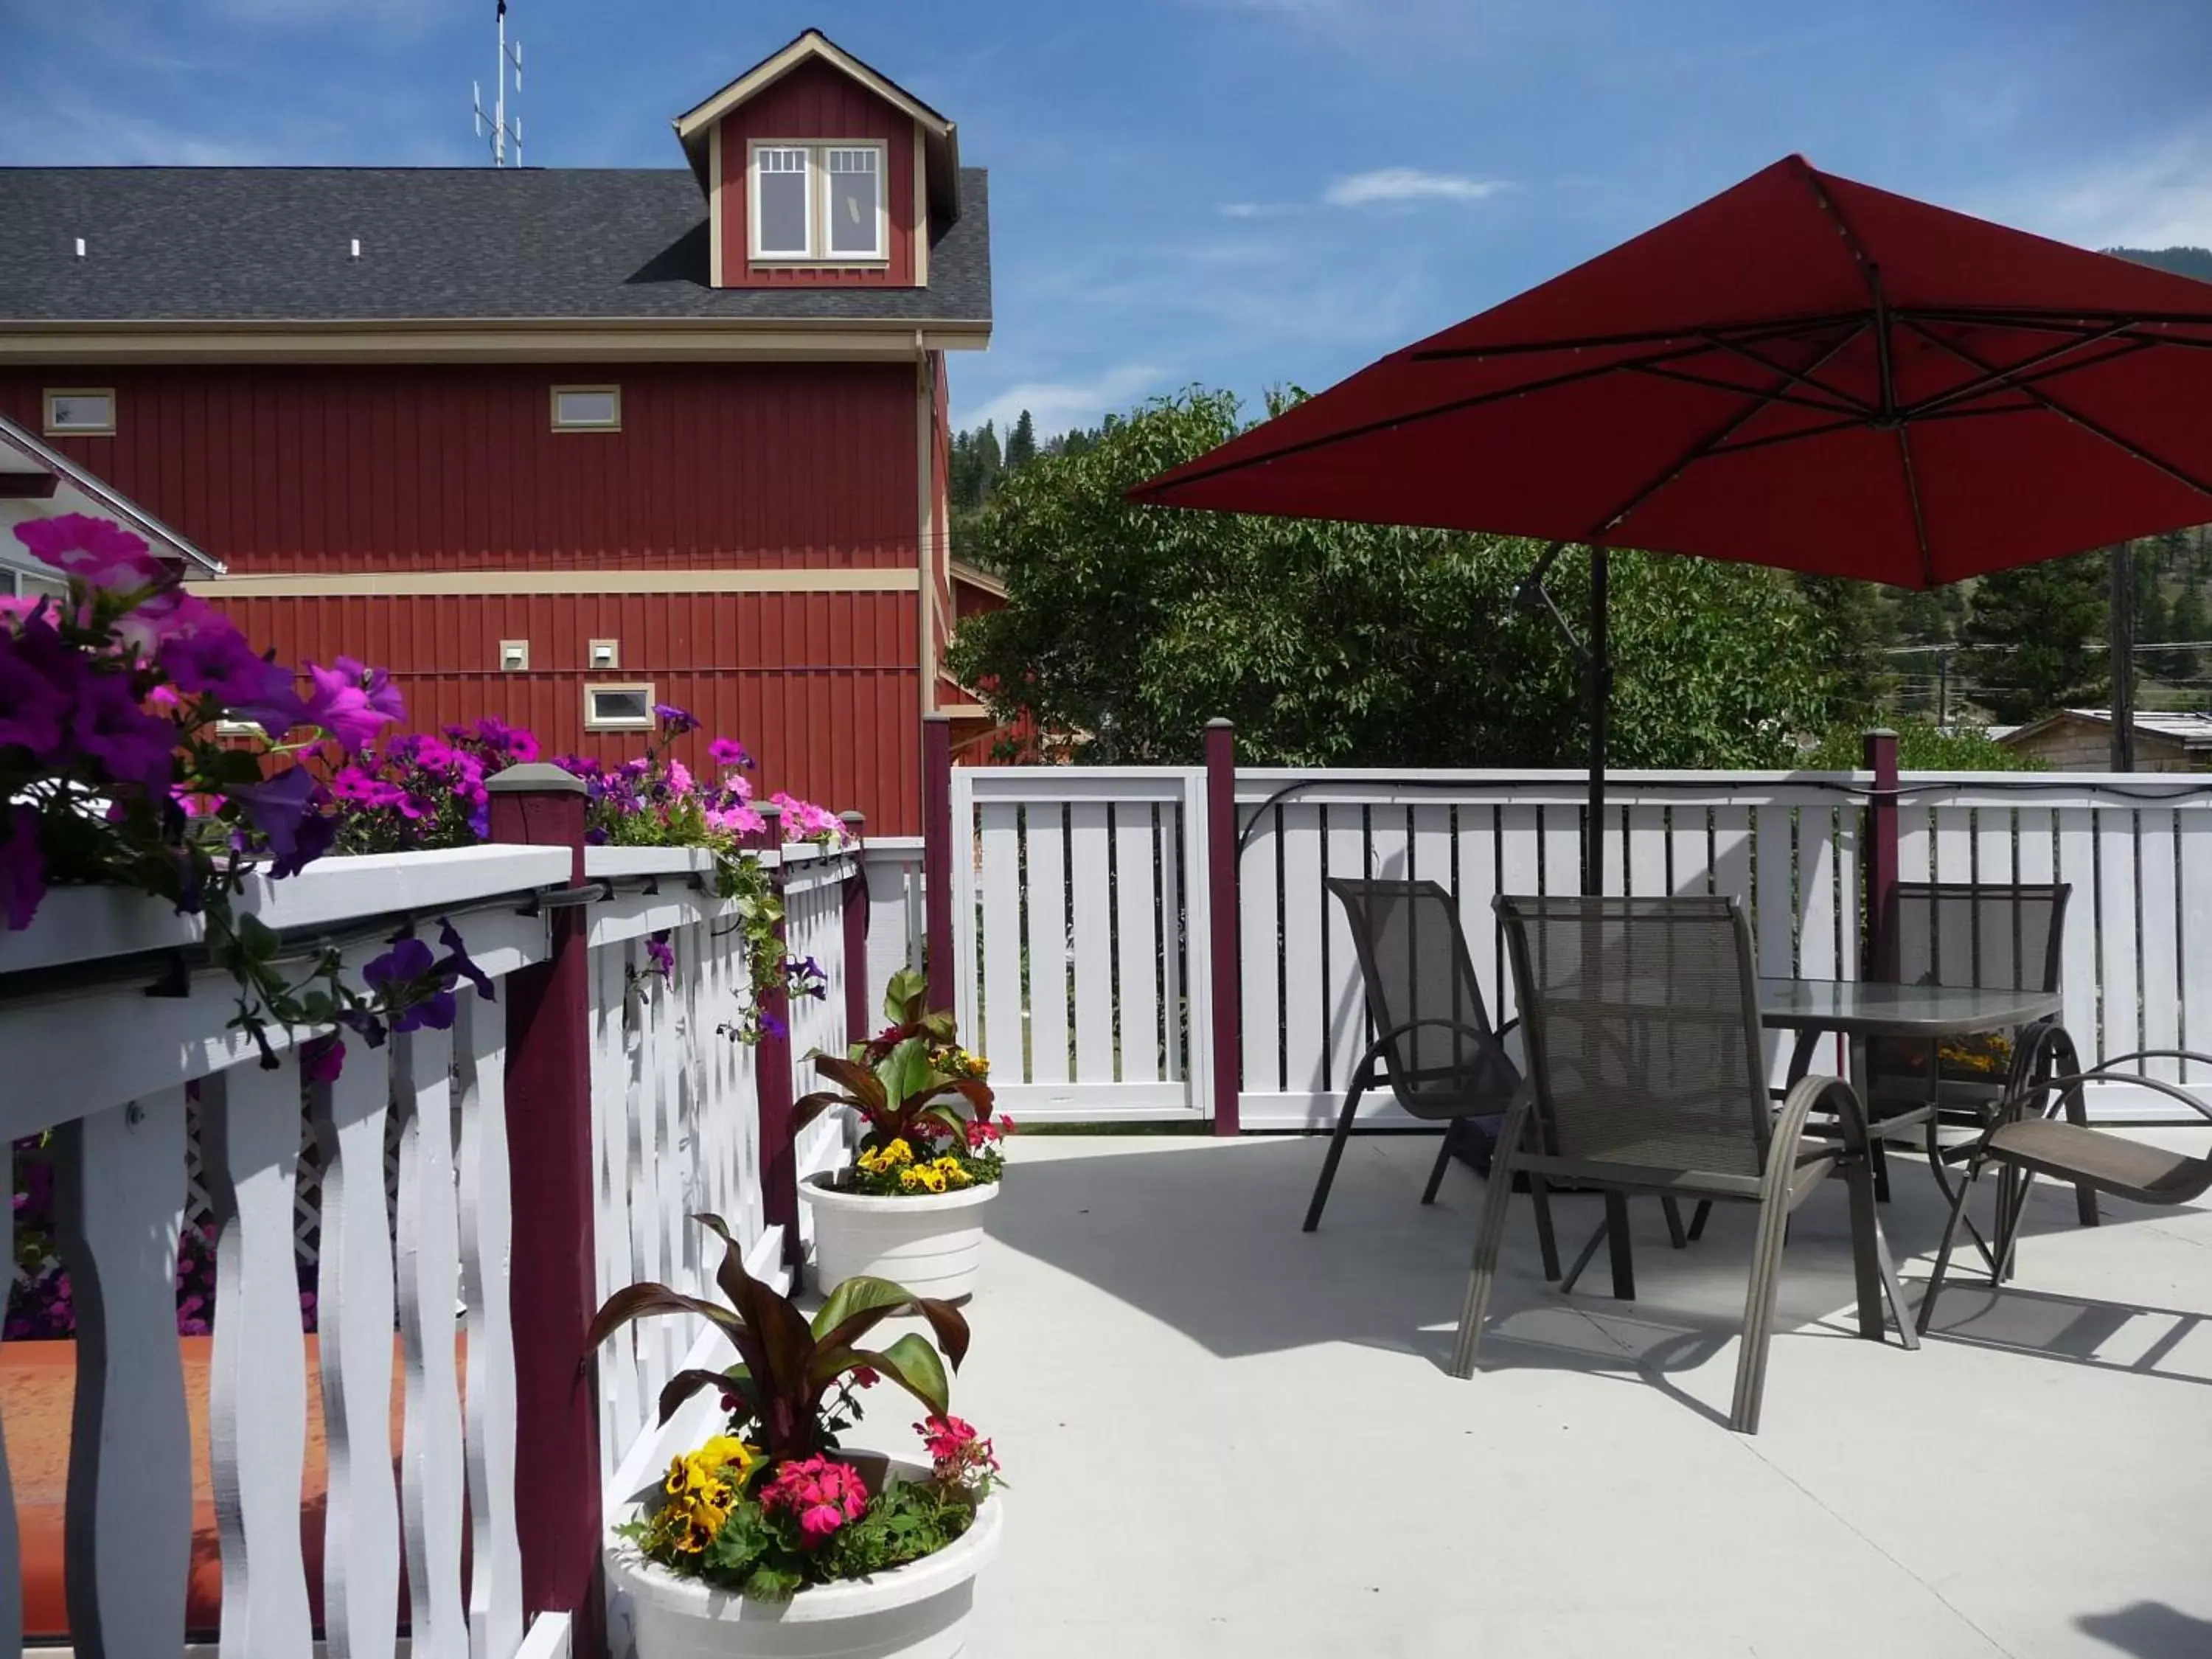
1241	193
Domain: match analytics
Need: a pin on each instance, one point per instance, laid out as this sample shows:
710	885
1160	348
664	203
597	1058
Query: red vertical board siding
815	104
301	470
820	687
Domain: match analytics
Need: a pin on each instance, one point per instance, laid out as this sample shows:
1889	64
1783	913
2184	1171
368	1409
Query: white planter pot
928	1242
919	1611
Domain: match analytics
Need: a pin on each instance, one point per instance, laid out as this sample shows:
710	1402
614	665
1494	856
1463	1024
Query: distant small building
2081	740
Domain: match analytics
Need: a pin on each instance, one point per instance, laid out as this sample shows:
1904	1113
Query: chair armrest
2071	1086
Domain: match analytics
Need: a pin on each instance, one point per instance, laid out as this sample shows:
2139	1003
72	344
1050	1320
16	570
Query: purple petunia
459	961
22	868
34	703
323	1058
677	721
662	954
287	812
217	661
351	702
729	754
134	746
98	552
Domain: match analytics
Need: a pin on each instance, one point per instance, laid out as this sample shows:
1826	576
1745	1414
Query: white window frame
593	723
817	255
611	424
50	395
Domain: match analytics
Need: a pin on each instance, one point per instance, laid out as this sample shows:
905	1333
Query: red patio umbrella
1803	371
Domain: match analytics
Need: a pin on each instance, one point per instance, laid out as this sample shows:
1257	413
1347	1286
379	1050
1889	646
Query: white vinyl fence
1080	900
104	1067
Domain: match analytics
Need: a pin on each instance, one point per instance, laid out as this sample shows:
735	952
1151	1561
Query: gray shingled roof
177	244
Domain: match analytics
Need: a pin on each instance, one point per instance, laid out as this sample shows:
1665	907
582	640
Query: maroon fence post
552	1290
1222	923
937	857
1880	861
858	1023
779	1143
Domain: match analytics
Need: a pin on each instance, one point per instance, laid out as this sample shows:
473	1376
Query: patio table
1814	1008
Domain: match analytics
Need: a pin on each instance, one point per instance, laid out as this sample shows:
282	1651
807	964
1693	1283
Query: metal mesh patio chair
2059	1143
1647	1074
1961	933
1435	1049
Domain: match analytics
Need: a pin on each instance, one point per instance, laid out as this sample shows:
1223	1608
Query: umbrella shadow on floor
2150	1630
1205	1238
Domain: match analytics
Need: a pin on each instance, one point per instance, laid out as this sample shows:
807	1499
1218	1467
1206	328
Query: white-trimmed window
618	708
80	411
821	203
587	409
42	584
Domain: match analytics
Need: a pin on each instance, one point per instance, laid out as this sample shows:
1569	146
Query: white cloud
1260	210
2161	198
1387	184
1056	405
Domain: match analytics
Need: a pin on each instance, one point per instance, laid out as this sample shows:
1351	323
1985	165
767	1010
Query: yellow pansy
886	1158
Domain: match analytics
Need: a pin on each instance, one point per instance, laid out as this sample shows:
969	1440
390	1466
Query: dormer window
819	203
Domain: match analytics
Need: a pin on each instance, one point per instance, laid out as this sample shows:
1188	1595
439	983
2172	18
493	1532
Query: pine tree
2036	633
1021	443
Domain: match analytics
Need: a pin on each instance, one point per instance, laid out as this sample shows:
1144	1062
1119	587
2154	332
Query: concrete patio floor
1229	1438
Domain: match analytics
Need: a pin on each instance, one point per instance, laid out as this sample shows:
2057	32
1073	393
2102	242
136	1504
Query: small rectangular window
783	202
856	203
80	411
619	708
587	409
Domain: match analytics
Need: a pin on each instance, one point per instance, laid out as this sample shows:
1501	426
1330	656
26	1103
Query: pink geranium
957	1454
821	1494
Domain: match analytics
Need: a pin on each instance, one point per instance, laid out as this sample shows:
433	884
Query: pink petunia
97	552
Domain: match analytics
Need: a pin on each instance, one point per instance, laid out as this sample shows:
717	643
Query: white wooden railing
1080	906
105	1068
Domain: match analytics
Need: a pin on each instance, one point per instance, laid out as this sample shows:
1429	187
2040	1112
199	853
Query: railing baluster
355	1316
119	1192
257	1380
11	1576
486	1239
431	1476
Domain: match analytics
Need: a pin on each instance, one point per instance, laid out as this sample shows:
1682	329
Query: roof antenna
496	124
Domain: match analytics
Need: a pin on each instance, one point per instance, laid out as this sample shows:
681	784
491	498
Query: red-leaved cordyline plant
903	1082
790	1381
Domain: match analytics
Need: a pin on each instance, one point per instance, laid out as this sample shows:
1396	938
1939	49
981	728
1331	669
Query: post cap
849	817
1220	721
937	719
535	778
1880	731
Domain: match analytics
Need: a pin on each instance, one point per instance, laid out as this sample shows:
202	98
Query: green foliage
2034	634
1922	746
1021	443
788	1366
908	1520
1331	643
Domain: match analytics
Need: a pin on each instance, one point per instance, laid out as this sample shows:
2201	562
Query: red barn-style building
555	445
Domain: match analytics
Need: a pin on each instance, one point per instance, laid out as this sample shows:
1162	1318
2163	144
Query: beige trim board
714	206
405	584
811	45
415	340
966	711
921	208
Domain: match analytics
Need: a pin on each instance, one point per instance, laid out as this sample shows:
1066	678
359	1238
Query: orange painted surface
816	104
38	1382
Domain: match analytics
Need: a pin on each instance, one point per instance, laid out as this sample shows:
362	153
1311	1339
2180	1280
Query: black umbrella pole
1601	703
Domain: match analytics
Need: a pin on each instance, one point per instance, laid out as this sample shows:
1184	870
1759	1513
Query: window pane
89	412
782	205
853	199
621	705
585	408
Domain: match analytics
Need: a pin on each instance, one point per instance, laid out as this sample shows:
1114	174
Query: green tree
1129	627
2036	637
1922	746
1862	620
1021	442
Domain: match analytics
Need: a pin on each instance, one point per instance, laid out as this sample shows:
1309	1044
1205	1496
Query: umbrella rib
1760	402
1773	328
1912	495
2125	446
1686	379
1842	397
2006	376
